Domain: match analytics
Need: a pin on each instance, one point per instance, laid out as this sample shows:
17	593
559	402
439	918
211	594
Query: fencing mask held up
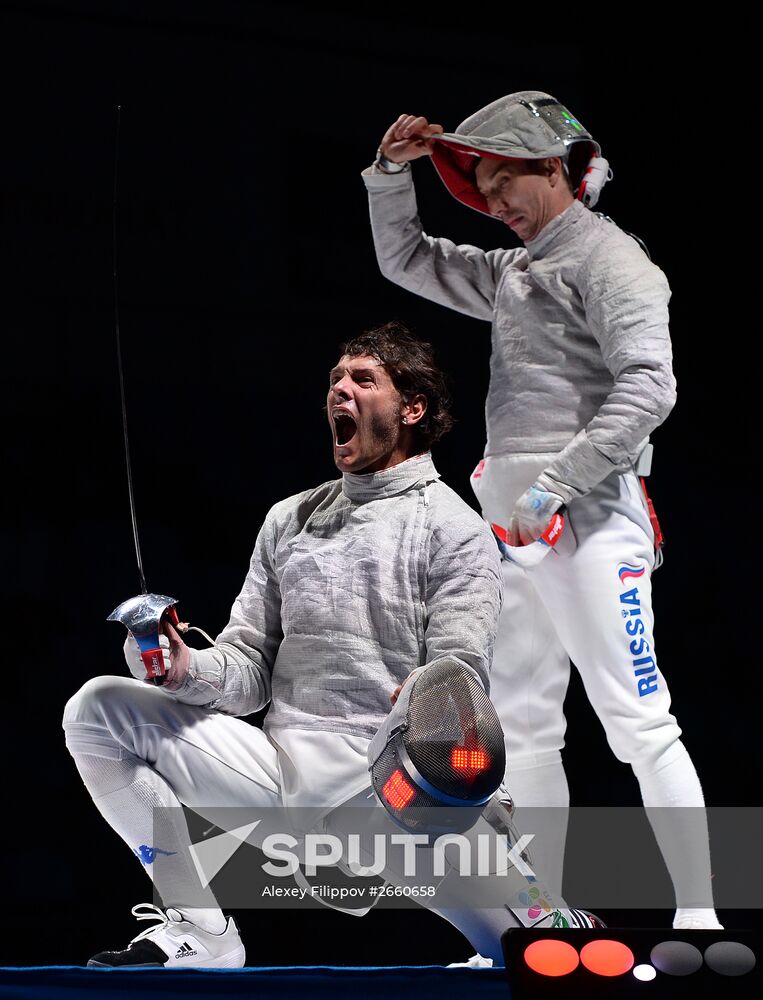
440	754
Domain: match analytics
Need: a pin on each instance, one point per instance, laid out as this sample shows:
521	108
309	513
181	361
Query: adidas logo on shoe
164	945
185	951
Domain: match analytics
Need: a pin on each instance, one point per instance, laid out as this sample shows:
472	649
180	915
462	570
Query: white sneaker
709	923
175	943
475	962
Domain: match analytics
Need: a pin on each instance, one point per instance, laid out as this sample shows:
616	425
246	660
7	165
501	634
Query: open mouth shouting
345	427
364	411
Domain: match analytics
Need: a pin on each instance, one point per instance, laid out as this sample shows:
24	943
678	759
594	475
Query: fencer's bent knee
87	704
649	764
643	749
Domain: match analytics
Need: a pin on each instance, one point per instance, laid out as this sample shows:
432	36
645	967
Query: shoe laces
155	914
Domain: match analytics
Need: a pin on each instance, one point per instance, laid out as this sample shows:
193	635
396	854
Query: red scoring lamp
607	958
551	958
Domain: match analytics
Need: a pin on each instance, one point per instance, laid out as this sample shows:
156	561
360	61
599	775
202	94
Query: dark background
245	259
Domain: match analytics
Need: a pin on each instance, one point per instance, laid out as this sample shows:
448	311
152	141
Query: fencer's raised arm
461	277
408	138
234	675
580	328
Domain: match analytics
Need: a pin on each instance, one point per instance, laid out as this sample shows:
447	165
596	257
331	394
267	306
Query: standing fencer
351	587
580	375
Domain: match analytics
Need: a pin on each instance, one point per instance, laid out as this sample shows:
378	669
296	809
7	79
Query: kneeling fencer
580	375
356	591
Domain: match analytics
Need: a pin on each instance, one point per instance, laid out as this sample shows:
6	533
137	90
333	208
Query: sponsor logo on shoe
185	951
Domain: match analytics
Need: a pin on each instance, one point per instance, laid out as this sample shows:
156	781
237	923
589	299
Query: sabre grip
151	652
152	655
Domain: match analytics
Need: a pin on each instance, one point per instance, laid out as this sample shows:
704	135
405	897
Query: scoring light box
649	964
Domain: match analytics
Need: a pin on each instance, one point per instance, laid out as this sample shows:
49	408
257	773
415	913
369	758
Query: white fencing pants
208	760
589	600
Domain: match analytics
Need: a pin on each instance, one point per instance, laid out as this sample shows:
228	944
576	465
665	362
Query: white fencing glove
532	514
136	664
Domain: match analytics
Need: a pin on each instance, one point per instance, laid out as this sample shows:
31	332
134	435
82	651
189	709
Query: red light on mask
464	759
397	791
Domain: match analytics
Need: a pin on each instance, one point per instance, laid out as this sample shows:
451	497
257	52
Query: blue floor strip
431	982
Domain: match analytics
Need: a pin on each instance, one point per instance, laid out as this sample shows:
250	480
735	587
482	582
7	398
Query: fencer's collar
389	482
559	230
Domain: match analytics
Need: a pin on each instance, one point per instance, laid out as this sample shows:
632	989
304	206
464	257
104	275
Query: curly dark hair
411	366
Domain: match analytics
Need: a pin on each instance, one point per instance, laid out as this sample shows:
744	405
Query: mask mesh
450	710
454	740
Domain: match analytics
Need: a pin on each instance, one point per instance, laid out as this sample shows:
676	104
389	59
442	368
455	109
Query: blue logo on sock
147	855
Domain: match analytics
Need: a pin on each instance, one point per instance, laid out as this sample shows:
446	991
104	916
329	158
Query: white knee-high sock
538	783
126	791
674	802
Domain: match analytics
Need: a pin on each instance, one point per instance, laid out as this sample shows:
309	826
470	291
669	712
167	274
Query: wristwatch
388	166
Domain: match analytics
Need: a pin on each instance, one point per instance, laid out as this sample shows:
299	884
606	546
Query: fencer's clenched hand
177	658
133	660
409	138
180	658
532	514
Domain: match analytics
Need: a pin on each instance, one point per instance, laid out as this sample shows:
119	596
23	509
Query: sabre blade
128	463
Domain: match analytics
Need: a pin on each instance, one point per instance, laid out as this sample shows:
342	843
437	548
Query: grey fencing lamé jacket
351	586
581	361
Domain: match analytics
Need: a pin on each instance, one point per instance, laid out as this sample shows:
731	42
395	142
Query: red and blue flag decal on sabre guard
143	616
